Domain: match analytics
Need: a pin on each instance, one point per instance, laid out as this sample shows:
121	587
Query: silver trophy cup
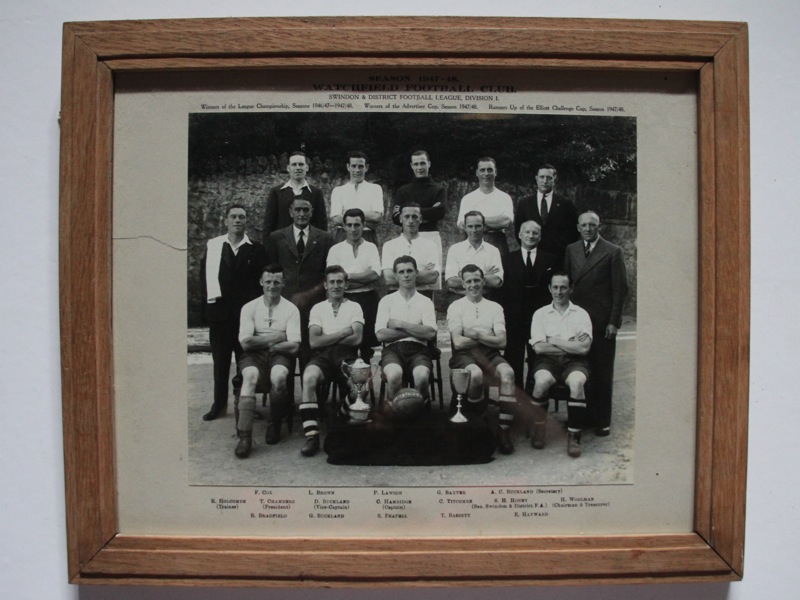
358	374
460	378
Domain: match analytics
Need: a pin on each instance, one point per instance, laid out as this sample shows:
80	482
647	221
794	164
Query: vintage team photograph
411	299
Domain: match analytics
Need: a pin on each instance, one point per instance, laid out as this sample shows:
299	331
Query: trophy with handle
358	374
460	379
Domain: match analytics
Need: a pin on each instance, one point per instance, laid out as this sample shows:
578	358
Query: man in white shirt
405	324
478	334
410	243
335	327
362	262
269	332
561	335
495	205
475	251
357	193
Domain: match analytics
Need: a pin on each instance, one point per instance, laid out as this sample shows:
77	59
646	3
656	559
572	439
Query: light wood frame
95	51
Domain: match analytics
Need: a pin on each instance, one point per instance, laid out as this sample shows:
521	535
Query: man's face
529	235
473	284
357	167
301	213
235	221
410	218
298	168
486	172
589	227
474	229
272	284
559	289
406	275
335	285
354	228
545	180
420	165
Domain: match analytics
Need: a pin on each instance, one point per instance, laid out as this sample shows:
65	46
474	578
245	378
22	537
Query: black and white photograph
413	298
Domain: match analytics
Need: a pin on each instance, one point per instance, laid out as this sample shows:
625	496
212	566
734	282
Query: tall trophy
460	379
358	374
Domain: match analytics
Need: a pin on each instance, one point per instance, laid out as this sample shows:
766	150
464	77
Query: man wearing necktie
597	269
230	272
301	249
557	216
527	274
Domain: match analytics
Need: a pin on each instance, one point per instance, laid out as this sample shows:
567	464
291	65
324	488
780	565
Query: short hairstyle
357	154
521	225
332	269
298	153
474	213
301	199
404	259
471	268
590	212
560	274
411	204
273	268
547	166
420	153
487	159
232	206
354	212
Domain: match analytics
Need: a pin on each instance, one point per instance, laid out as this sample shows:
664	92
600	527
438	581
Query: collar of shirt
297	191
570	307
244	240
297	231
591	244
525	254
472	248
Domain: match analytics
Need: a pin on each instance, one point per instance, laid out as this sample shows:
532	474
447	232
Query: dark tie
301	245
587	250
544	211
528	260
228	256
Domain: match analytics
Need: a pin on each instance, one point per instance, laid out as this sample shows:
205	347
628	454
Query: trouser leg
223	340
602	379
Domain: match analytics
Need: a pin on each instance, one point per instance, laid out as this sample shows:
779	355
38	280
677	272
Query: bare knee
421	377
576	382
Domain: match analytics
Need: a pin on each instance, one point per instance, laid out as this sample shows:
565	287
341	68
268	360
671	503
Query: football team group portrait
411	289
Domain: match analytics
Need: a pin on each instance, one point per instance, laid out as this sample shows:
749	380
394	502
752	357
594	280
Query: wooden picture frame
94	52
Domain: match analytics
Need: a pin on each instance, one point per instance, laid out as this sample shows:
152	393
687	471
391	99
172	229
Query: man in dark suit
557	216
277	214
597	269
230	271
302	250
527	275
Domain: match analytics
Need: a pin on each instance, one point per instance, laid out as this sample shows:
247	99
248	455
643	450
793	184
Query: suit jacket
518	299
600	283
238	280
279	199
561	228
303	276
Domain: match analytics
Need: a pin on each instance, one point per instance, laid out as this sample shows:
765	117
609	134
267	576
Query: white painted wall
32	532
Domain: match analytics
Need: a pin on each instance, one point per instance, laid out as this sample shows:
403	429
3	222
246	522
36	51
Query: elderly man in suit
527	275
302	250
597	269
230	271
556	215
